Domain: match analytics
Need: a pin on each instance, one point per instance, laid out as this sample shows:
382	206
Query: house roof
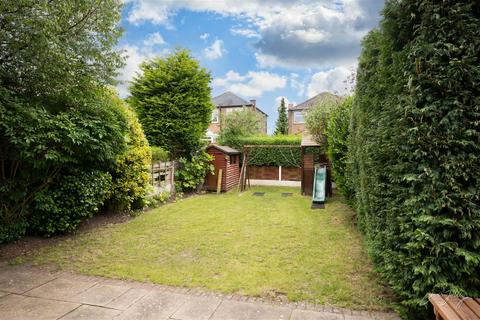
225	149
229	99
324	96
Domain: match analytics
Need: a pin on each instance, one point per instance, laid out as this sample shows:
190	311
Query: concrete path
32	293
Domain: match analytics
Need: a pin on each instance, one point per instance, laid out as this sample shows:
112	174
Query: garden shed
227	161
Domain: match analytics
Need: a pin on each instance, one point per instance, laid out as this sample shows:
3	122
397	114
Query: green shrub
70	199
159	154
131	175
337	132
239	124
191	174
316	120
414	149
287	157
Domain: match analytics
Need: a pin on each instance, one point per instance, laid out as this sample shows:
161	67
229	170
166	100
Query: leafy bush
316	120
287	157
239	124
71	199
414	149
337	132
131	175
191	173
159	154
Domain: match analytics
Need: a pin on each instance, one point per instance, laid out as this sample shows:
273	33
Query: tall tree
281	126
172	99
239	124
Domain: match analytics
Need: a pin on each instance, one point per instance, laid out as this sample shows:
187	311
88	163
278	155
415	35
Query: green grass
235	243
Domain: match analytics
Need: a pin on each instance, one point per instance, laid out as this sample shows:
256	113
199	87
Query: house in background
296	114
228	102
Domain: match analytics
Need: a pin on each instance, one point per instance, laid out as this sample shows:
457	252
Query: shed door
211	180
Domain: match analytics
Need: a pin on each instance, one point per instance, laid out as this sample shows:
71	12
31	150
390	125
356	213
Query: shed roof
324	96
225	149
308	141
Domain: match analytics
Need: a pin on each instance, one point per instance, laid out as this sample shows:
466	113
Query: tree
56	119
337	133
58	50
414	146
238	124
281	126
316	120
173	103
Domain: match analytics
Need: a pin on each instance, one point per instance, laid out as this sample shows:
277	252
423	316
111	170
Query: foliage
239	124
55	116
36	145
337	133
72	198
173	103
287	157
281	126
131	174
57	50
414	149
269	240
316	120
192	172
159	154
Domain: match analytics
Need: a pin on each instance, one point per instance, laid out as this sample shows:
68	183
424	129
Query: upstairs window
215	116
298	117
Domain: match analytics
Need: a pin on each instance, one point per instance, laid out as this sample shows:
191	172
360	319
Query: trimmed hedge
286	157
414	149
337	133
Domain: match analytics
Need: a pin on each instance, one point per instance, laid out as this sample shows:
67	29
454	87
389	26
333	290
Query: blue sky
258	49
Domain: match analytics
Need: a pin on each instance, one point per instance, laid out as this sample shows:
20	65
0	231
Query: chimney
254	104
290	106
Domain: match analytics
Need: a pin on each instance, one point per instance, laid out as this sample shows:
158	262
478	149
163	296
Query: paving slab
16	279
23	308
128	298
314	315
155	306
91	312
100	294
200	308
61	289
236	310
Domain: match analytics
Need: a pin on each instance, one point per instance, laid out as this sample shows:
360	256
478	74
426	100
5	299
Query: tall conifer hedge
414	161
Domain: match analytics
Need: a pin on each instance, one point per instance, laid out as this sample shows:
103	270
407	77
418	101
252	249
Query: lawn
236	243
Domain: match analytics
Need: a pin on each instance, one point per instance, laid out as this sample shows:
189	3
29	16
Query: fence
162	176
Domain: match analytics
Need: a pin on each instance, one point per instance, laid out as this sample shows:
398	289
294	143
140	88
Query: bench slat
459	306
442	307
473	305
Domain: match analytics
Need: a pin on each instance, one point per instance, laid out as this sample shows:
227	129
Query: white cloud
215	51
248	33
134	57
204	36
154	39
333	81
253	84
292	34
297	84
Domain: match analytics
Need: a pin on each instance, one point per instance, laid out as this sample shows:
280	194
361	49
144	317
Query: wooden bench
454	308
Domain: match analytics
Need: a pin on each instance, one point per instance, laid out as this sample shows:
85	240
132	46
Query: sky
257	49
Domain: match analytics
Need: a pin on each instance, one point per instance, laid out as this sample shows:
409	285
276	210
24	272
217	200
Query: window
230	110
233	159
298	117
215	116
